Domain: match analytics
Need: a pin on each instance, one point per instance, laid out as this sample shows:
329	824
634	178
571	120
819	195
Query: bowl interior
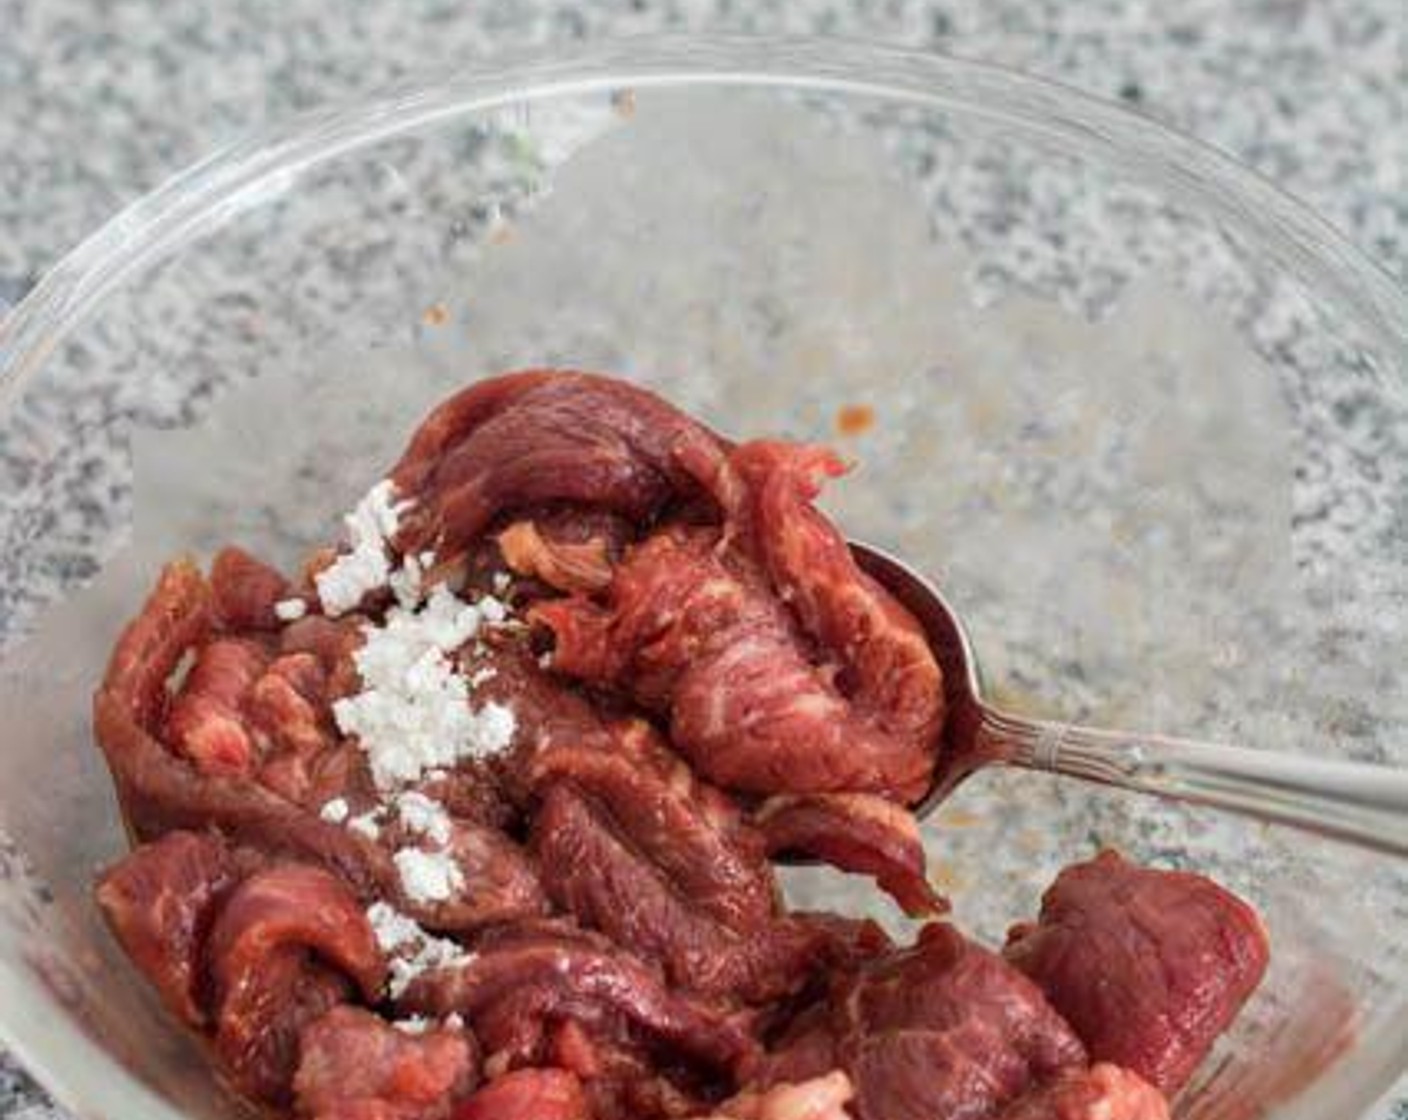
1152	438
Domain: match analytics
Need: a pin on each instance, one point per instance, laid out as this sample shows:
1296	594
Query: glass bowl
1144	416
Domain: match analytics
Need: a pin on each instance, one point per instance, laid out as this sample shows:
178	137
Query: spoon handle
1355	801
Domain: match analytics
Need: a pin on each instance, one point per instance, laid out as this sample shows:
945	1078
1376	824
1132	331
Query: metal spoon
1354	801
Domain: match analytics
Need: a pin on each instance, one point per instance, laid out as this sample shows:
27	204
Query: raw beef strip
351	1058
592	868
944	1028
696	631
524	977
1148	966
533	437
206	722
288	945
1102	1092
766	489
245	590
159	901
856	832
160	792
822	1098
528	1094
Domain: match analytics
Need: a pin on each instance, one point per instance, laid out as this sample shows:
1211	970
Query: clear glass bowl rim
243	174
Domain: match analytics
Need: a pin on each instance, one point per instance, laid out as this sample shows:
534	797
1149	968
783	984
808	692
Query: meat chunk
695	630
1103	1092
206	722
159	902
258	1024
523	978
696	835
894	679
592	869
288	706
822	1098
1148	966
286	947
245	590
856	832
528	1094
351	1058
161	792
944	1028
630	842
535	437
294	904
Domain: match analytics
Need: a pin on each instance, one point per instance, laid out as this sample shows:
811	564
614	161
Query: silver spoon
1359	802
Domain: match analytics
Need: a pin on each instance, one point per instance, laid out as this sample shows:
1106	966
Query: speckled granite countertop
102	101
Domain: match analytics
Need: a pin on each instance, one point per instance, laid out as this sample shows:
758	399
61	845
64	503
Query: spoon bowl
1358	802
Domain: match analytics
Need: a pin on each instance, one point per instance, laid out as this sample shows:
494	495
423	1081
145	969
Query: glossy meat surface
159	901
944	1028
524	977
1148	966
697	631
573	897
1102	1092
528	1094
351	1059
535	437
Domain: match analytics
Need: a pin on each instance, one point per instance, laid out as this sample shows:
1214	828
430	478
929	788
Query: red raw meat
352	1059
944	1028
695	834
539	436
294	904
528	1094
257	1025
697	631
288	706
1102	1092
856	832
525	976
284	949
206	721
159	901
592	869
160	792
894	681
245	590
822	1098
1148	966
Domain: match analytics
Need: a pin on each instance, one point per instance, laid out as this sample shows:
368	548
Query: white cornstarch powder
335	811
428	877
366	566
424	815
290	610
411	951
413	713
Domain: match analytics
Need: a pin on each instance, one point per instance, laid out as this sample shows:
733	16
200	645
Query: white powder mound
290	610
368	824
424	815
366	566
428	876
413	714
411	950
335	811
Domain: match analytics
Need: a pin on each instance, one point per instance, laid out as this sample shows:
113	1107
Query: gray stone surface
100	101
